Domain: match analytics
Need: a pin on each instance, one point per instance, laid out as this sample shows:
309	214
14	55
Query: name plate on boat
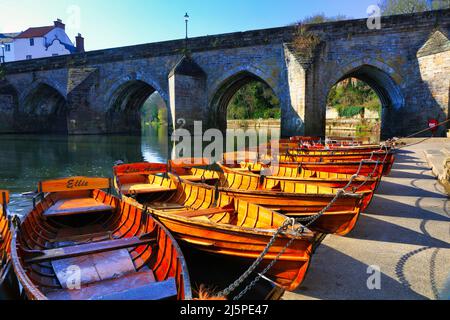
74	184
4	197
140	168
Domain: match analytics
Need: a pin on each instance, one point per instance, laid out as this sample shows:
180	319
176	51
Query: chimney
60	24
79	40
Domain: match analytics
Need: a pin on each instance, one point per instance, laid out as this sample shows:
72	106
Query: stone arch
124	101
43	110
54	84
226	87
383	79
9	105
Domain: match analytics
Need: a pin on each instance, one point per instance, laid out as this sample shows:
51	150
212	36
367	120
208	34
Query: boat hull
289	272
340	219
9	286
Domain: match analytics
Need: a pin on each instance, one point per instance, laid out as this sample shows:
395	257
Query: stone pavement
439	162
405	231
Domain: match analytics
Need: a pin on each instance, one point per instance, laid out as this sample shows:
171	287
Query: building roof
7	37
35	32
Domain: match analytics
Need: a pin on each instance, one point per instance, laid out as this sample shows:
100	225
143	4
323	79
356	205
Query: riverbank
260	123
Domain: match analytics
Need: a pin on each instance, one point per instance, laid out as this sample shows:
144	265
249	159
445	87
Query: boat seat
138	188
38	256
163	290
69	207
134	286
195	178
204	212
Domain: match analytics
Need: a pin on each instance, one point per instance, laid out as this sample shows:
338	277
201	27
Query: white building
39	42
7	46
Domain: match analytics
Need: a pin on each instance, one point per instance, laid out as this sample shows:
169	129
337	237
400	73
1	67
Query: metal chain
298	231
258	261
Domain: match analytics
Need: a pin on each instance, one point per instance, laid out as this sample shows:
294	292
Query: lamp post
186	19
3	53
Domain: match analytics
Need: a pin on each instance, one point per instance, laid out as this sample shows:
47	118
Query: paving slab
405	233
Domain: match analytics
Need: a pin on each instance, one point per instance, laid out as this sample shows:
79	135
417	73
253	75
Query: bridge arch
124	101
9	105
224	89
383	79
43	109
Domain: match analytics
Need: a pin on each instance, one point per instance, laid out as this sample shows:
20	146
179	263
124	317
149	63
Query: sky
116	23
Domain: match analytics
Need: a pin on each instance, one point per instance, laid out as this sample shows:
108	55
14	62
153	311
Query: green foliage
305	43
321	18
348	111
392	7
350	97
254	101
154	110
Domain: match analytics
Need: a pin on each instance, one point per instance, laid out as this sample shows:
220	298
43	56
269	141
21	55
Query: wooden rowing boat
380	163
191	169
364	168
320	178
230	227
298	200
81	243
8	282
133	178
331	157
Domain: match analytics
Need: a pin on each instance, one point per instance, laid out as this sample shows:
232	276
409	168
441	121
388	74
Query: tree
255	100
392	7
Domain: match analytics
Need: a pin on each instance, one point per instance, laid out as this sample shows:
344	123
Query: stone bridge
407	62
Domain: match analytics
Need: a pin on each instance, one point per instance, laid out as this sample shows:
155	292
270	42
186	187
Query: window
29	57
7	47
55	55
31	42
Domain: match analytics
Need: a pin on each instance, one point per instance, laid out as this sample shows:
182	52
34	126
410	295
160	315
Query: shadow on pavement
385	207
373	229
336	276
396	189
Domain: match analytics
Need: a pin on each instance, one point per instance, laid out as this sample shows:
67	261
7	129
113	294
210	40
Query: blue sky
114	23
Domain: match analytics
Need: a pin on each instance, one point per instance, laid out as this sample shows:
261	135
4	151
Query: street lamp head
186	17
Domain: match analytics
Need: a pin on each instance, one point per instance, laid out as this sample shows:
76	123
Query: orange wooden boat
349	167
320	178
132	179
230	227
81	243
345	163
297	200
8	283
330	157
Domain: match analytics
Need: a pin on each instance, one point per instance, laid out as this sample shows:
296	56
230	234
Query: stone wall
406	62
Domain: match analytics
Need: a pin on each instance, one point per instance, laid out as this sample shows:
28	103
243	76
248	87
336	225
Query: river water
27	159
